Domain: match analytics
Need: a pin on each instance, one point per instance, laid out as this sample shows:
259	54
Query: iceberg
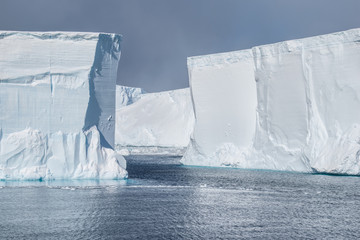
153	123
284	106
57	105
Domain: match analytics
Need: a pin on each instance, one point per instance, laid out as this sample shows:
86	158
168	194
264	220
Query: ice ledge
219	59
62	35
298	45
289	46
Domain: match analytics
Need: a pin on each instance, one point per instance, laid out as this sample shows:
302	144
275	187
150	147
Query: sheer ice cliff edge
292	106
57	105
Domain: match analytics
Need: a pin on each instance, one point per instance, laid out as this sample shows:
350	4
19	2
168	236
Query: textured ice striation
284	106
153	123
57	105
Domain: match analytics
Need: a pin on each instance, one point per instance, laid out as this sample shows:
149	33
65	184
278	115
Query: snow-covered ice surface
154	123
284	106
57	105
127	95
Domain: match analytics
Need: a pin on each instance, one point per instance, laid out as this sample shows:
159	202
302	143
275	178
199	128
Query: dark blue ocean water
164	200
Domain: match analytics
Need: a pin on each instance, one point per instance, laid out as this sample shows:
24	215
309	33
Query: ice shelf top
343	37
58	34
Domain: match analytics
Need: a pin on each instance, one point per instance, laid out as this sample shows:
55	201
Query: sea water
164	200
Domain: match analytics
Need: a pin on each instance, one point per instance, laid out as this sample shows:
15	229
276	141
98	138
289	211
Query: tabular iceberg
153	123
57	105
284	106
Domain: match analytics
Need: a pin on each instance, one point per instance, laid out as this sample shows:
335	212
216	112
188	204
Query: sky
158	35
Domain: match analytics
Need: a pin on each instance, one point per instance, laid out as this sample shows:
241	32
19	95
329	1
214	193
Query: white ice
301	95
154	122
127	95
57	105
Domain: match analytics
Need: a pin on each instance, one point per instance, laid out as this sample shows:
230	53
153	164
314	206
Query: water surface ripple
164	200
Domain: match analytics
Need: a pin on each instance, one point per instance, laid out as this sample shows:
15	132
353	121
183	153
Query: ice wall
57	105
307	94
224	99
154	121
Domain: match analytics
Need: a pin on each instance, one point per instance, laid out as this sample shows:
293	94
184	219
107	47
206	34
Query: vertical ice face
307	91
102	80
57	95
44	77
282	108
224	98
333	74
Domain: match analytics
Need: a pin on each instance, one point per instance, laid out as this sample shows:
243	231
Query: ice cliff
57	105
285	106
153	123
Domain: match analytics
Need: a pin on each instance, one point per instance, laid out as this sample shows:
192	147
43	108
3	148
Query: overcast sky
160	34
